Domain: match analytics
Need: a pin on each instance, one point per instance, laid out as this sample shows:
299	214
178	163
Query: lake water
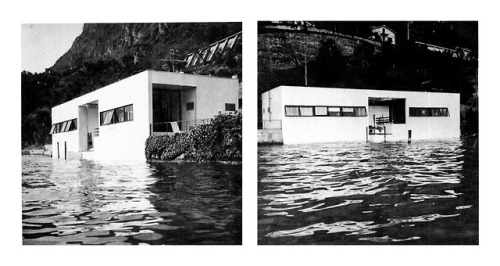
367	193
86	202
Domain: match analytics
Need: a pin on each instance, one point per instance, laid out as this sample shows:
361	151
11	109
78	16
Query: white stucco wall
121	141
126	140
434	127
271	109
330	129
188	95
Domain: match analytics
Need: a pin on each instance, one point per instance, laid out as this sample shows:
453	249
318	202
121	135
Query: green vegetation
220	140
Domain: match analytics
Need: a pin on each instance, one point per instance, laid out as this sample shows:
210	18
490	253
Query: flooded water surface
85	202
367	193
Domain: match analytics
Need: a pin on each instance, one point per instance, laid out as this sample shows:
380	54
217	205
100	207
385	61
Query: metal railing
384	129
383	120
177	126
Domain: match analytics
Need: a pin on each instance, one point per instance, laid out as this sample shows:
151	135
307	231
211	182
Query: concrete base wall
270	136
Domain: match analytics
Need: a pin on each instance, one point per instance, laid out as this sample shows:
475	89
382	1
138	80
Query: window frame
316	112
290	115
430	111
129	115
115	119
329	113
64	126
303	108
120	114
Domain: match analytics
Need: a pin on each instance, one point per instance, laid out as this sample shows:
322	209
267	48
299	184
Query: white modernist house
311	115
114	122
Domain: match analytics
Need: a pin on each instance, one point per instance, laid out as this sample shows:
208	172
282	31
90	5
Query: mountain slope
106	53
144	43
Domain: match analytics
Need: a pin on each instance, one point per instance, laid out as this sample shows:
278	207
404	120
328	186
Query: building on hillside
207	54
114	122
458	52
385	33
295	115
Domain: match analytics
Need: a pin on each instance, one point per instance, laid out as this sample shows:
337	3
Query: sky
43	44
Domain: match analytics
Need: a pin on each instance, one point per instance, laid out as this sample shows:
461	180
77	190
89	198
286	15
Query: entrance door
166	108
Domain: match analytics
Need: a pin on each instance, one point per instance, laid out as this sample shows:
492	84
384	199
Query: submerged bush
220	140
165	147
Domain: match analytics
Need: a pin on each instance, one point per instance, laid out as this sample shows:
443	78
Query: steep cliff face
143	44
106	53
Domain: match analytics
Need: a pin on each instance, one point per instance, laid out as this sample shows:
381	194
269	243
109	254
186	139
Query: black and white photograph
131	138
368	133
132	134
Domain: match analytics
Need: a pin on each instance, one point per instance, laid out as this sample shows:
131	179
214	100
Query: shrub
220	140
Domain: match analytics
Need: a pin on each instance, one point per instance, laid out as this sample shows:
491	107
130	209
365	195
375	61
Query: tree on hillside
330	64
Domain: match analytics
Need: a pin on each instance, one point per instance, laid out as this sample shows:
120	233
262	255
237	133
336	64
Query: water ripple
90	203
335	193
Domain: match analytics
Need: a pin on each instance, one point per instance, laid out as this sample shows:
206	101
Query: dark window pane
230	107
424	111
190	106
73	125
120	114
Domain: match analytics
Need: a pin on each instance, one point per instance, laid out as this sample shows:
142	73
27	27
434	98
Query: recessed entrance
168	101
88	125
386	110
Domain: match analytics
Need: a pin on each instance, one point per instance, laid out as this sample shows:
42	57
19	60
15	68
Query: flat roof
332	88
148	70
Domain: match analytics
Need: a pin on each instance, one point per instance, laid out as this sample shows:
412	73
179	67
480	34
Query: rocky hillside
106	53
142	44
300	54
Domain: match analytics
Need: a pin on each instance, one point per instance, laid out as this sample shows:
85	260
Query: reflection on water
85	202
367	193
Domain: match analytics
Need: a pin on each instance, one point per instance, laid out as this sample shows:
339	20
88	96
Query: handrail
383	120
183	125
